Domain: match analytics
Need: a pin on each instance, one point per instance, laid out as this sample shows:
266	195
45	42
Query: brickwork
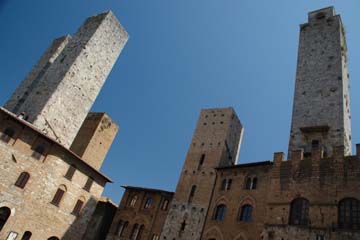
72	82
215	143
133	212
94	138
47	174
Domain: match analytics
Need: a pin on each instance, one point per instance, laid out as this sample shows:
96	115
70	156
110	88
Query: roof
76	157
244	165
147	189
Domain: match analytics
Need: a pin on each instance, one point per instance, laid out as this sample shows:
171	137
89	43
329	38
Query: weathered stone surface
63	96
321	109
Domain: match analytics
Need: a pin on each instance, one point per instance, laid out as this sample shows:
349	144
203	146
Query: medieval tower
215	143
59	91
321	111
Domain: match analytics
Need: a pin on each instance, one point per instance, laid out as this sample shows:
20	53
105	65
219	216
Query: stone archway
4	215
214	233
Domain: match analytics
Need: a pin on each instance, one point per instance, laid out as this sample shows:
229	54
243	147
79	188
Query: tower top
322	13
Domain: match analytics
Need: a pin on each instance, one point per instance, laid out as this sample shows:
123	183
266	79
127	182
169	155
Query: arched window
299	212
78	206
246	213
39	152
58	195
22	180
26	236
133	201
165	205
349	213
192	194
140	232
134	232
251	183
220	212
53	238
148	203
7	135
120	228
4	215
226	184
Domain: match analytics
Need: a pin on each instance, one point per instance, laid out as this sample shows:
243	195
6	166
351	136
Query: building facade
51	147
313	194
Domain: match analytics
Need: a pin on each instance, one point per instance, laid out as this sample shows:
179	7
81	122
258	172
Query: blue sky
182	55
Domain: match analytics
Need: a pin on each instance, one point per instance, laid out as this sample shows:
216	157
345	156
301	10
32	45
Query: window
58	195
299	212
148	203
315	144
22	180
220	212
246	213
192	193
4	215
320	237
88	184
70	172
155	237
165	205
349	213
226	184
140	232
133	201
26	236
135	232
251	183
78	206
7	135
38	152
201	161
120	229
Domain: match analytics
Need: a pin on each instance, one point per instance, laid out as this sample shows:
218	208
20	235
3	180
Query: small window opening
78	206
7	135
38	152
88	184
22	180
165	205
58	195
192	193
201	162
315	144
220	212
148	203
320	15
133	201
27	236
70	172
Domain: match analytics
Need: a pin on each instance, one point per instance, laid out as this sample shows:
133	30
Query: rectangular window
70	172
88	184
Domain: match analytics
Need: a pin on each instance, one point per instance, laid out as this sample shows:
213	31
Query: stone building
51	147
141	214
313	194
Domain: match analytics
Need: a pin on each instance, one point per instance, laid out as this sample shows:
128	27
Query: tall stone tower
59	92
321	111
215	143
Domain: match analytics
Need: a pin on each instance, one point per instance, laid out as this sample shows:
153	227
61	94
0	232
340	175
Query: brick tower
216	142
58	93
321	111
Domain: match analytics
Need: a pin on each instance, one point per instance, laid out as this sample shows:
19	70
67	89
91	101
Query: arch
349	214
4	216
53	238
220	212
59	195
22	179
245	213
133	201
214	233
248	200
27	235
148	203
240	236
299	212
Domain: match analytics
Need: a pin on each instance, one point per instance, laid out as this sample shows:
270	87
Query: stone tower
321	111
216	142
59	92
